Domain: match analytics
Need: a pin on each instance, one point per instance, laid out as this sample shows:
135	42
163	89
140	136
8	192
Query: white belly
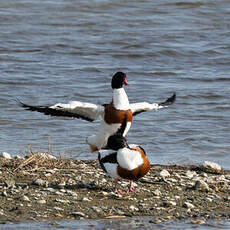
100	139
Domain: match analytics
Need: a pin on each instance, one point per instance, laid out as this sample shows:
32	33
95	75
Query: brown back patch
113	115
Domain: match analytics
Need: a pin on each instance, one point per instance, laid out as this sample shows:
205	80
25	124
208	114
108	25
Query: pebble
201	185
62	201
24	198
6	155
164	173
212	165
86	199
133	208
198	221
81	214
188	205
96	209
169	203
40	182
191	174
157	192
18	157
4	193
58	209
41	201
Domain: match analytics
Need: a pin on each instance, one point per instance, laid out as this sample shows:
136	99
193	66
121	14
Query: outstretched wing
140	107
76	109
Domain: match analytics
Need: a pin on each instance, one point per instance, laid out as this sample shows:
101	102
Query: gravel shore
42	187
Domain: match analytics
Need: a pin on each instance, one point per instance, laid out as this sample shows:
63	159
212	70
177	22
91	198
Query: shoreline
39	187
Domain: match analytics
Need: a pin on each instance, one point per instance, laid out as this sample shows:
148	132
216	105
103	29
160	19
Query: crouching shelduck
121	161
112	113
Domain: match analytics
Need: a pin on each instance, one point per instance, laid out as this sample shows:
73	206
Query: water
60	50
134	223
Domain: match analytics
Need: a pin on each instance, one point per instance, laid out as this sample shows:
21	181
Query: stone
6	155
188	205
157	192
96	209
133	208
201	185
18	157
212	165
86	199
4	193
24	198
41	201
190	174
80	214
58	209
40	182
164	173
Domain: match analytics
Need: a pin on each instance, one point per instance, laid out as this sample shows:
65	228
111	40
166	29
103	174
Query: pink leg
115	188
131	189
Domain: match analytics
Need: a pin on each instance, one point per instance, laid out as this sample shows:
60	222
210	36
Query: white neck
120	99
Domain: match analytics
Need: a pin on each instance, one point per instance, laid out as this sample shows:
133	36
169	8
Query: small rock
191	174
103	180
198	221
96	209
58	209
188	205
10	183
169	203
40	182
5	155
18	157
72	193
4	193
105	193
24	198
157	192
62	201
201	185
41	201
212	165
209	199
81	214
86	199
133	208
164	173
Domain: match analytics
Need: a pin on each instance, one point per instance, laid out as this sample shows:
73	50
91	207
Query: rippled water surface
122	224
60	50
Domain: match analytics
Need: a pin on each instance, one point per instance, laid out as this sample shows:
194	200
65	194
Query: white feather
89	110
104	131
129	159
144	106
111	170
120	99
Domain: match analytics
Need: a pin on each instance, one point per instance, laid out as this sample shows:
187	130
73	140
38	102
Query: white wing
140	107
77	109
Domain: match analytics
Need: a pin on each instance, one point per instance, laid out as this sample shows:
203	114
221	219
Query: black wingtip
169	101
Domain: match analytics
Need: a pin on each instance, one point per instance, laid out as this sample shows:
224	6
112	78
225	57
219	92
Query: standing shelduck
121	161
